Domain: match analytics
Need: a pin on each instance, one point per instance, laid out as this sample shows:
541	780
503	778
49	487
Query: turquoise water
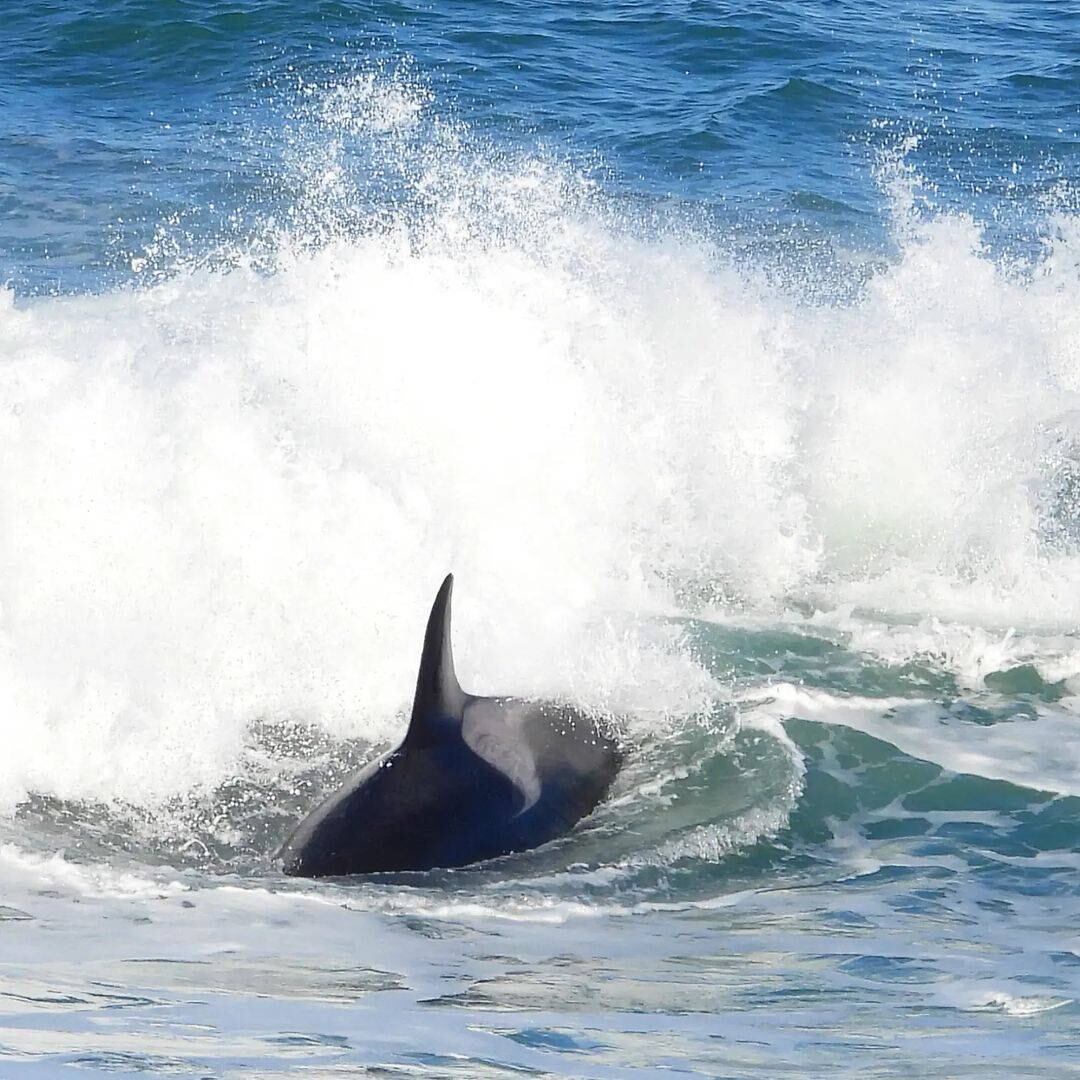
731	360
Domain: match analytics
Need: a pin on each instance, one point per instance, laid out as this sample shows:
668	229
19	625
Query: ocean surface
728	353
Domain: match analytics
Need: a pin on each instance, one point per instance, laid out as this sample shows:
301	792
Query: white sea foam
230	496
969	652
971	995
20	869
1041	753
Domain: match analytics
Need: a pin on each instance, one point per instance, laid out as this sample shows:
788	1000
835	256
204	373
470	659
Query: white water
229	496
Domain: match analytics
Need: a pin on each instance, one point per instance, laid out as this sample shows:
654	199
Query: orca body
475	777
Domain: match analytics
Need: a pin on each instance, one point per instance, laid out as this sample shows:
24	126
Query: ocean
728	354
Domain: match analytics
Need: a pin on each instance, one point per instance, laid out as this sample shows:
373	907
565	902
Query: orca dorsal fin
439	696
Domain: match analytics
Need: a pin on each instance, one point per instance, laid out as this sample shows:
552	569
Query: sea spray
228	493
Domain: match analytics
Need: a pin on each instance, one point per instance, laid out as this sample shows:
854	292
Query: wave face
748	420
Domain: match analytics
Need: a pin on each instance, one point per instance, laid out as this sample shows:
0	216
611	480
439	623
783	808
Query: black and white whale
475	777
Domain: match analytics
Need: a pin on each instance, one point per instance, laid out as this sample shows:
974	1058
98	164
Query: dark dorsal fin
438	695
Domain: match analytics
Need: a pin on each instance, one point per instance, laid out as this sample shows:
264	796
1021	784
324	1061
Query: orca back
474	778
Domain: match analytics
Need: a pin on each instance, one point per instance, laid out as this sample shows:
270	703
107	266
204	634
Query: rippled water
729	357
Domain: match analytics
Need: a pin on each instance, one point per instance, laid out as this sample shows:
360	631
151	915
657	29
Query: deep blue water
768	118
730	356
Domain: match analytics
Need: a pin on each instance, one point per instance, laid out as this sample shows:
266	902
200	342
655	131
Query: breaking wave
229	490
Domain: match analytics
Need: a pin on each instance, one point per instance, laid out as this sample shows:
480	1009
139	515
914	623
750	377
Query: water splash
230	493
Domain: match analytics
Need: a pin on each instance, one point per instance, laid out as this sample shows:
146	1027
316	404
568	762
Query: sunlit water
730	359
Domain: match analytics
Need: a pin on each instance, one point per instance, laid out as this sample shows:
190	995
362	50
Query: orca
474	778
